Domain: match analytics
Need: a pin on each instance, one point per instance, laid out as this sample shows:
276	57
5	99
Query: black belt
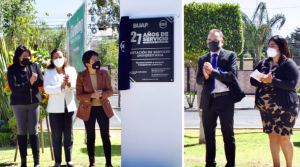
215	95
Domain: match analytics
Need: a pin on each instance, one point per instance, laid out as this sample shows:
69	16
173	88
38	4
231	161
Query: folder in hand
257	75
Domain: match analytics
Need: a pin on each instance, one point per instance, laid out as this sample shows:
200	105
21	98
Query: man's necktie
214	65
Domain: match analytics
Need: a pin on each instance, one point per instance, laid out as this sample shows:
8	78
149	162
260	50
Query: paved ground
246	103
245	116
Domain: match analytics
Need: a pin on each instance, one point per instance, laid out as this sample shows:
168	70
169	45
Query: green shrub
5	128
2	122
190	97
298	90
200	18
5	139
13	126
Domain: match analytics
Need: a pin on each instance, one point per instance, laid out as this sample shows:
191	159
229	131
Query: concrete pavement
246	103
245	116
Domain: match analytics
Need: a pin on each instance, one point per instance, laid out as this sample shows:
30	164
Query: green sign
76	38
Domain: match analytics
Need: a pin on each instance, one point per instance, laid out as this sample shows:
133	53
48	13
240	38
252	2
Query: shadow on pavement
190	110
191	137
191	145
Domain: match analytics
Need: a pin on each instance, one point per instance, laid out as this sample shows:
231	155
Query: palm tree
258	29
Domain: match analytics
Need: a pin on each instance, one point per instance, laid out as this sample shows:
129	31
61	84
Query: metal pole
188	79
201	132
42	135
50	142
16	153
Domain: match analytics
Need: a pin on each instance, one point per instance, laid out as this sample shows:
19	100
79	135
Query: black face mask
214	46
25	61
96	65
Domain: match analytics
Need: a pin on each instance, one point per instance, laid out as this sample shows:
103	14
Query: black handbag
235	90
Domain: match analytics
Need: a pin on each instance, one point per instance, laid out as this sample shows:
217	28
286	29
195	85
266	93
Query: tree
108	53
294	44
258	29
108	12
17	20
52	39
19	23
200	18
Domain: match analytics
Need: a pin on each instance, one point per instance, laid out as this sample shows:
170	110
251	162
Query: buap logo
122	46
163	24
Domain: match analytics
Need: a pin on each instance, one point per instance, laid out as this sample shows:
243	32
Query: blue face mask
214	46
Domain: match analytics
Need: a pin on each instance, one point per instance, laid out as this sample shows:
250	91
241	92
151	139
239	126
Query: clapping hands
33	78
207	69
66	82
97	94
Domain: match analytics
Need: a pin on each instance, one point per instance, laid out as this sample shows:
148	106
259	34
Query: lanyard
271	66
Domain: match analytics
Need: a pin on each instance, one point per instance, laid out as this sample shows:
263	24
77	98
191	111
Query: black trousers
222	107
97	113
62	124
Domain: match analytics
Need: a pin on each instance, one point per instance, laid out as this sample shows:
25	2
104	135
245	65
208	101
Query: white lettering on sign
156	37
150	37
134	34
140	25
76	49
77	28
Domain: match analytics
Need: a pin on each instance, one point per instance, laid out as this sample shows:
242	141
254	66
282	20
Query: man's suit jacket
57	96
226	60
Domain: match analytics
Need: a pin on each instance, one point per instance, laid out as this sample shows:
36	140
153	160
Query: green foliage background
200	18
108	12
108	52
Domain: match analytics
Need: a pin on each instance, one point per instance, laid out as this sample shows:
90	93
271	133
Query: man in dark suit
216	70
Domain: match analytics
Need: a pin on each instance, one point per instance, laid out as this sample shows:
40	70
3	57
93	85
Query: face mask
214	46
25	61
271	52
96	65
59	62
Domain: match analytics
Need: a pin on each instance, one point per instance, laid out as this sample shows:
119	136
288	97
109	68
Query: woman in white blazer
60	83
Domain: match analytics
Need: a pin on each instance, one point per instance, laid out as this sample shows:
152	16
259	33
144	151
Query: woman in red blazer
93	89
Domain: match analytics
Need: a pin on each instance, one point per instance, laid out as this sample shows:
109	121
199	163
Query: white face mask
59	62
271	52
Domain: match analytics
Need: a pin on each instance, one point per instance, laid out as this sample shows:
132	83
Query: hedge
200	18
5	128
5	139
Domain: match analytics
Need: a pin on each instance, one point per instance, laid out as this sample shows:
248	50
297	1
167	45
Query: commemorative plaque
152	50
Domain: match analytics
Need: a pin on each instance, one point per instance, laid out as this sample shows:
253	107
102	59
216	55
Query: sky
58	10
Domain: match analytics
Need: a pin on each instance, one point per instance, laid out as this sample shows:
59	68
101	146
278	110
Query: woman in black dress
276	98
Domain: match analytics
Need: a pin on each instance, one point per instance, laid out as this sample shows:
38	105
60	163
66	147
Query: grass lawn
252	149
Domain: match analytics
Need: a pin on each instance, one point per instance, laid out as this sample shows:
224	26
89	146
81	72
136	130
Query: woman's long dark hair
52	66
283	48
20	49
